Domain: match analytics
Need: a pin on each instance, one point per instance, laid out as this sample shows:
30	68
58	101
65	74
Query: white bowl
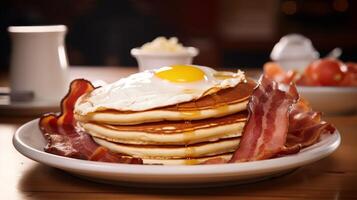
152	60
330	100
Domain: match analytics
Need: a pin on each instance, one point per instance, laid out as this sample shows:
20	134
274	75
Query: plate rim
337	89
247	168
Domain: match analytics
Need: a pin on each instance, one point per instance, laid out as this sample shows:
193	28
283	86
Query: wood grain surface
334	177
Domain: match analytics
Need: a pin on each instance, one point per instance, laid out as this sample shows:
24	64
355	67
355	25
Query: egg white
144	91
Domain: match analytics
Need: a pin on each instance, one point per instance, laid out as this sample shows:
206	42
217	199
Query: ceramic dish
29	141
331	100
152	60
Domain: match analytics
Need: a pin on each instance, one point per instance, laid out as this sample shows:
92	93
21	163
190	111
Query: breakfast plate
330	100
28	140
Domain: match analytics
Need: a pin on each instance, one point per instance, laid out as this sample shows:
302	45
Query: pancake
117	118
189	132
169	132
195	161
222	103
172	152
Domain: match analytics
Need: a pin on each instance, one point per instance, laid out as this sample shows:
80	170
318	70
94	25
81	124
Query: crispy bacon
265	132
279	123
305	126
65	139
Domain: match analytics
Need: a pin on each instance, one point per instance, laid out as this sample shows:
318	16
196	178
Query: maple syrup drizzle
222	108
190	161
191	114
190	134
190	152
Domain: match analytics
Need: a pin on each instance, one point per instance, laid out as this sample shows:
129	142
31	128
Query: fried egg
158	88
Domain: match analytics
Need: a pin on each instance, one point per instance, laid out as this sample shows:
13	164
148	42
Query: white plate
29	141
331	100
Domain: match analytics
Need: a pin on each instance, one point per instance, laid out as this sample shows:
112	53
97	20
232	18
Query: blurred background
229	33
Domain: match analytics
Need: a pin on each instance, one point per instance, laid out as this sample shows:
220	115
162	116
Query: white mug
38	62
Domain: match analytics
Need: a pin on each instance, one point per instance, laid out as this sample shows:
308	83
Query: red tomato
308	78
349	80
351	67
326	72
273	71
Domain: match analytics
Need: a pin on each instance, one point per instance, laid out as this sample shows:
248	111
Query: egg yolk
181	74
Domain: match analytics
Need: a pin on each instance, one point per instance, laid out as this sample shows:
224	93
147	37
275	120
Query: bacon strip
265	132
65	139
279	123
305	126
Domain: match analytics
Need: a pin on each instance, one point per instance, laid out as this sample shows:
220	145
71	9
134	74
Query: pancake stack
185	133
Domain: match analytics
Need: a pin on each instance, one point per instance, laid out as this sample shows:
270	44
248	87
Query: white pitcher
38	62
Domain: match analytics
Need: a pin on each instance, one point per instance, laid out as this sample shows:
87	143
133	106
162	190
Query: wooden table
334	177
